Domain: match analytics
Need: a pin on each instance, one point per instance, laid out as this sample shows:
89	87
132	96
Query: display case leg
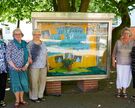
87	85
53	88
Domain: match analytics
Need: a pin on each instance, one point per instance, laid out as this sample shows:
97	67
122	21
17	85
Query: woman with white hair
17	58
38	68
121	57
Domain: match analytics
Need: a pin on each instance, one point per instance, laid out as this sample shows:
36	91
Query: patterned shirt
15	55
41	58
3	67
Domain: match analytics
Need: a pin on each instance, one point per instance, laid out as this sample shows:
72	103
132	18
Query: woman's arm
114	55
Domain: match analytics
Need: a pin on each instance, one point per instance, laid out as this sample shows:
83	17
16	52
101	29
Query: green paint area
77	71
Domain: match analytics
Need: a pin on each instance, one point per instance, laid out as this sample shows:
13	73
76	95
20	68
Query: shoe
124	95
41	99
118	95
2	103
23	102
133	97
36	100
16	105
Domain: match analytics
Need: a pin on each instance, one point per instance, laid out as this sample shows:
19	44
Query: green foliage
14	10
112	6
68	61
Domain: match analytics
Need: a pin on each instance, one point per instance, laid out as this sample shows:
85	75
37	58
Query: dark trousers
3	79
133	78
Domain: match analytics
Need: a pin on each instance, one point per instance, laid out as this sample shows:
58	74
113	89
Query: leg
24	81
34	77
17	99
124	92
133	76
3	79
21	94
119	77
42	82
127	76
118	93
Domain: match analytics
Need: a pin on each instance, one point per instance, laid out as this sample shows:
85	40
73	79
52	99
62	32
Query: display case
79	44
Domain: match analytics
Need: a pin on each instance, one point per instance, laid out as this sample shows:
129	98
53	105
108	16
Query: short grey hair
36	31
126	29
18	30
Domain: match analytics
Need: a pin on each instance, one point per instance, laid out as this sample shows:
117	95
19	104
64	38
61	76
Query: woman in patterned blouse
17	58
3	73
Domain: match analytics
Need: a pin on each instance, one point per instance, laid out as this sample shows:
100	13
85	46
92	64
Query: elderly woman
122	57
38	68
17	58
3	73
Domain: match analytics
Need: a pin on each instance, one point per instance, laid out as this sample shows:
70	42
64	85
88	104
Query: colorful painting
75	48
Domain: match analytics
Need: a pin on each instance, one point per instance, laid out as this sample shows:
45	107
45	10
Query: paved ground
72	97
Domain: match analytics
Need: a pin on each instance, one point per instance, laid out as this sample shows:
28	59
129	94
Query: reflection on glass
86	43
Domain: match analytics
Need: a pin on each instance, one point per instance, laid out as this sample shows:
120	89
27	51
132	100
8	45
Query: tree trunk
126	22
18	23
69	5
55	5
84	5
63	6
73	9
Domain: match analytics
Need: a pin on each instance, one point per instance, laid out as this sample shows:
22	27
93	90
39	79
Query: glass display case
79	44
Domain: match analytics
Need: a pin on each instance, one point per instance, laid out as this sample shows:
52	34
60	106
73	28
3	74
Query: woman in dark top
133	69
3	73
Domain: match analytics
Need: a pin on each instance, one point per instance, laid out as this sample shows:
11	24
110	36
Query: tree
16	10
71	5
121	8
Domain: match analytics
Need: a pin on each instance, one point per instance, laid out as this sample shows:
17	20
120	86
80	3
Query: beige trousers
37	82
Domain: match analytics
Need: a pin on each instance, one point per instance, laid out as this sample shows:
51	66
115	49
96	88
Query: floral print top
3	65
15	55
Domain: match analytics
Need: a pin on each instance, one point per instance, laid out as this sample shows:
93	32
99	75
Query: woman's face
36	36
126	34
18	35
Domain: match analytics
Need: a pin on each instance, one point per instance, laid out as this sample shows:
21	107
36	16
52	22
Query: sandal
125	95
118	95
16	105
23	102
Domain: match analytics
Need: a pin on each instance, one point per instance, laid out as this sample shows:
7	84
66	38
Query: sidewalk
72	97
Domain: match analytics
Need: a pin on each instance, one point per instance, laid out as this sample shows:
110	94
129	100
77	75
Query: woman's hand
17	69
30	60
24	68
14	66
